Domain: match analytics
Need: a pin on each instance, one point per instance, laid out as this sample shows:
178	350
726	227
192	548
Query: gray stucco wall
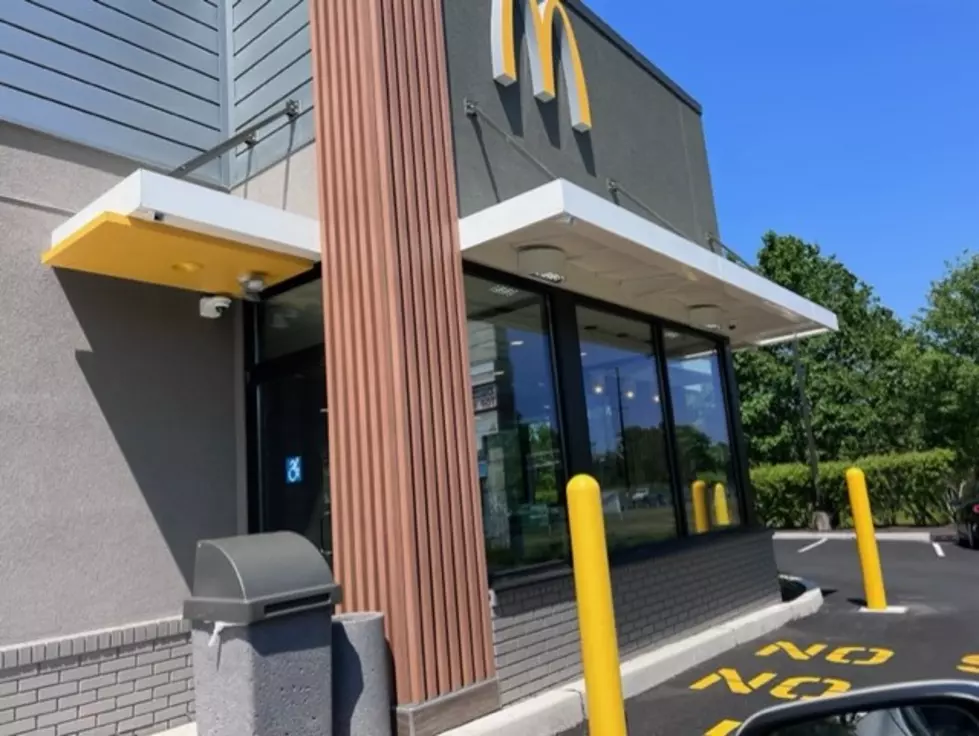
289	184
687	589
117	417
646	135
139	79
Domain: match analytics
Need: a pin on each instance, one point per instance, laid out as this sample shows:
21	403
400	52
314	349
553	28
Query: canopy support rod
245	135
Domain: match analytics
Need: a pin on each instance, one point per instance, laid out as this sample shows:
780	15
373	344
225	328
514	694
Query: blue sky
851	123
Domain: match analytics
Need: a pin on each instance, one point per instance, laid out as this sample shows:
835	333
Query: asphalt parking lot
838	649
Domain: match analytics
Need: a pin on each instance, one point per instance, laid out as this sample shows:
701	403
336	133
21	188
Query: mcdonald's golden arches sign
539	18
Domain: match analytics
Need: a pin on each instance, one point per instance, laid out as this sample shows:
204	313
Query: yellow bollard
863	525
596	617
701	521
721	515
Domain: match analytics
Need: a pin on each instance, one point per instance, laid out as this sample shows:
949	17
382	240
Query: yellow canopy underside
158	253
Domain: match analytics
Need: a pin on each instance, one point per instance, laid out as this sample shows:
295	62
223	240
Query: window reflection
703	436
291	321
520	471
626	428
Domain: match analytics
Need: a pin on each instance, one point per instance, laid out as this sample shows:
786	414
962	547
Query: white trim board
150	196
563	204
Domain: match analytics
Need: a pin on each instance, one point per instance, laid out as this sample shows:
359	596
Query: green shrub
909	488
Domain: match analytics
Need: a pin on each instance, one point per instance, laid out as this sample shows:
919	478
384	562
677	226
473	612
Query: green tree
950	321
946	369
857	379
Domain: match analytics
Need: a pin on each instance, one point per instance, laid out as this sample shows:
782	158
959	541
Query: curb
189	730
563	708
881	536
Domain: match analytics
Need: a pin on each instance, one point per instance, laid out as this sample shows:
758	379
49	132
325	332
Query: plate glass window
518	449
291	321
703	432
626	428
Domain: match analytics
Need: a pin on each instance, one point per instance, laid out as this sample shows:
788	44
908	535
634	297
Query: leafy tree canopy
856	380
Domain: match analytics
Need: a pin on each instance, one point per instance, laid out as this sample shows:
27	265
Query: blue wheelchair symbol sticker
294	469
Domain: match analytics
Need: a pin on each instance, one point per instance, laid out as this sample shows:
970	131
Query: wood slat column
407	522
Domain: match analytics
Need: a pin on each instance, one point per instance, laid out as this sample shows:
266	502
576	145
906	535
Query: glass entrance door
293	459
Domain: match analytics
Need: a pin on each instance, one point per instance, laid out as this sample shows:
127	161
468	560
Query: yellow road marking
840	655
970	664
734	681
723	728
792	650
786	689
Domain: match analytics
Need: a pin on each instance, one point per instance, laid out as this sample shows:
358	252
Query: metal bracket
471	107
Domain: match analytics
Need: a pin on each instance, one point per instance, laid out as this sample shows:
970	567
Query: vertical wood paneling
407	511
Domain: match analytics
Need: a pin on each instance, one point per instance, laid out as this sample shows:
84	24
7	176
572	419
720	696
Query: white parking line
813	545
938	549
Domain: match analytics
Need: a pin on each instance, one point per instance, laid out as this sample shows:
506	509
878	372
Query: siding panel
257	93
167	21
245	9
77	35
276	143
66	60
29	110
253	42
263	22
142	34
202	12
138	79
272	64
101	103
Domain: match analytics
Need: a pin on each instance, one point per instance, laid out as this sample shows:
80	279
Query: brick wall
694	584
131	680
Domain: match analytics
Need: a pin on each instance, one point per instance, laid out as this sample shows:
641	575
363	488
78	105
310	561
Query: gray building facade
126	427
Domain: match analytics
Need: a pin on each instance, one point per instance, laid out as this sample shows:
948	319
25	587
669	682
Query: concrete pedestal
362	685
271	678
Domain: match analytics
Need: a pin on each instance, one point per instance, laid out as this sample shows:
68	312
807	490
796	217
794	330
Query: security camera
212	307
252	285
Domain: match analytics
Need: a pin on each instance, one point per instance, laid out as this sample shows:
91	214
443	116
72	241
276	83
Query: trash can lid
247	579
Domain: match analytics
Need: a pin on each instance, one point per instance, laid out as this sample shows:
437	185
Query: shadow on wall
253	170
164	381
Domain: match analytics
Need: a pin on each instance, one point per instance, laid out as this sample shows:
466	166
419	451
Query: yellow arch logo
539	16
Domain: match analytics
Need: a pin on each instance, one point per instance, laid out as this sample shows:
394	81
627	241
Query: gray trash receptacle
362	682
261	610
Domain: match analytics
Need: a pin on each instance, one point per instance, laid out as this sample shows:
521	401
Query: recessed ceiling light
599	390
630	394
706	315
543	262
516	343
